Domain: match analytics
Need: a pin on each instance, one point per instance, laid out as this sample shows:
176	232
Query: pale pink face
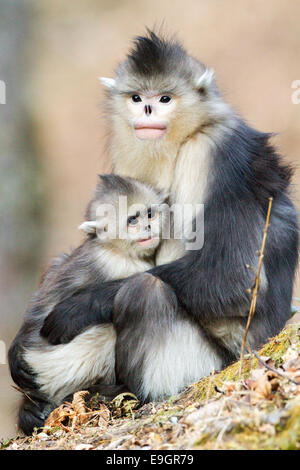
150	114
143	227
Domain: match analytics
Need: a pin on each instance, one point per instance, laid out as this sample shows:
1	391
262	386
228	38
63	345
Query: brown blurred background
53	132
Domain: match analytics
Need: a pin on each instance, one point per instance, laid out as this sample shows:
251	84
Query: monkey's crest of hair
155	55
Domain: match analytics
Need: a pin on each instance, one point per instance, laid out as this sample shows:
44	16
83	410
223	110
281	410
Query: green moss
5	443
206	388
286	437
289	438
165	414
278	345
202	440
274	349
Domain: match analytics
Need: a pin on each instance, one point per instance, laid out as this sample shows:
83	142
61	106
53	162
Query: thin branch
24	393
272	369
256	284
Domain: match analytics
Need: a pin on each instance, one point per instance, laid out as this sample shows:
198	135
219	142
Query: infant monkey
119	243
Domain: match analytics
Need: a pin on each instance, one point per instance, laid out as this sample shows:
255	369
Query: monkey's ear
109	83
89	226
206	79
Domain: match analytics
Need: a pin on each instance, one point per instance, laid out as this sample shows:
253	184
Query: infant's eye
151	213
136	98
132	220
165	99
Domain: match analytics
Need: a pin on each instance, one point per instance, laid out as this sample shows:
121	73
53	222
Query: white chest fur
191	171
189	188
120	266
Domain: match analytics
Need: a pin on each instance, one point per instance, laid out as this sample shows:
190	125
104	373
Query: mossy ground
259	410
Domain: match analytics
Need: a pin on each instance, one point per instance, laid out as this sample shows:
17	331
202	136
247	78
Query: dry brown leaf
70	416
124	403
262	382
291	354
230	388
58	416
100	417
78	402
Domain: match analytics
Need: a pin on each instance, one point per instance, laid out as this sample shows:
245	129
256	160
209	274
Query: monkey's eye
151	213
165	99
136	98
132	220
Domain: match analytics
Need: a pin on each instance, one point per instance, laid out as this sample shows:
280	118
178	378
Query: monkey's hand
81	310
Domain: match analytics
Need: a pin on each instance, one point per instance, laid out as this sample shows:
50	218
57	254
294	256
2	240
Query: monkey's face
159	116
160	94
144	228
143	225
158	113
150	115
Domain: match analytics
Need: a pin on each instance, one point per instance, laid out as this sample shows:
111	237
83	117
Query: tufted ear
109	83
205	79
89	226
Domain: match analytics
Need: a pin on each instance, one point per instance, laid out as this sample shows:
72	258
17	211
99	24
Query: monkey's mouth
148	242
150	131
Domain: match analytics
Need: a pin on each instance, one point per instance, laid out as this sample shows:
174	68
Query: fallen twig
272	369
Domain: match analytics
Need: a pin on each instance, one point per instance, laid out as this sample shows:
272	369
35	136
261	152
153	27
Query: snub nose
148	109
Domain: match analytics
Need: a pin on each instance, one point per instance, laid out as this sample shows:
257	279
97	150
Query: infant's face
144	227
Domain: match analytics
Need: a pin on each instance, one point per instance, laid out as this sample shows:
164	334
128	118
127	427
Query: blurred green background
53	131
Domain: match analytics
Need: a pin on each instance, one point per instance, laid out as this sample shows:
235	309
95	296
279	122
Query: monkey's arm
210	283
204	281
80	310
214	282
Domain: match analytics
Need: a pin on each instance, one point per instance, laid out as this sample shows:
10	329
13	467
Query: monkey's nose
148	109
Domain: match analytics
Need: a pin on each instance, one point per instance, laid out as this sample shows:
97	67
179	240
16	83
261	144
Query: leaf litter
258	410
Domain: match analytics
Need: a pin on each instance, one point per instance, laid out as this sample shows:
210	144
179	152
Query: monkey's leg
33	412
159	350
66	368
35	406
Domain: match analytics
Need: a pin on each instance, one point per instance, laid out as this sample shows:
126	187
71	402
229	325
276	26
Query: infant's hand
73	315
66	320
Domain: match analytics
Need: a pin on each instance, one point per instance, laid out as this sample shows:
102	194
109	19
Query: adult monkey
171	127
